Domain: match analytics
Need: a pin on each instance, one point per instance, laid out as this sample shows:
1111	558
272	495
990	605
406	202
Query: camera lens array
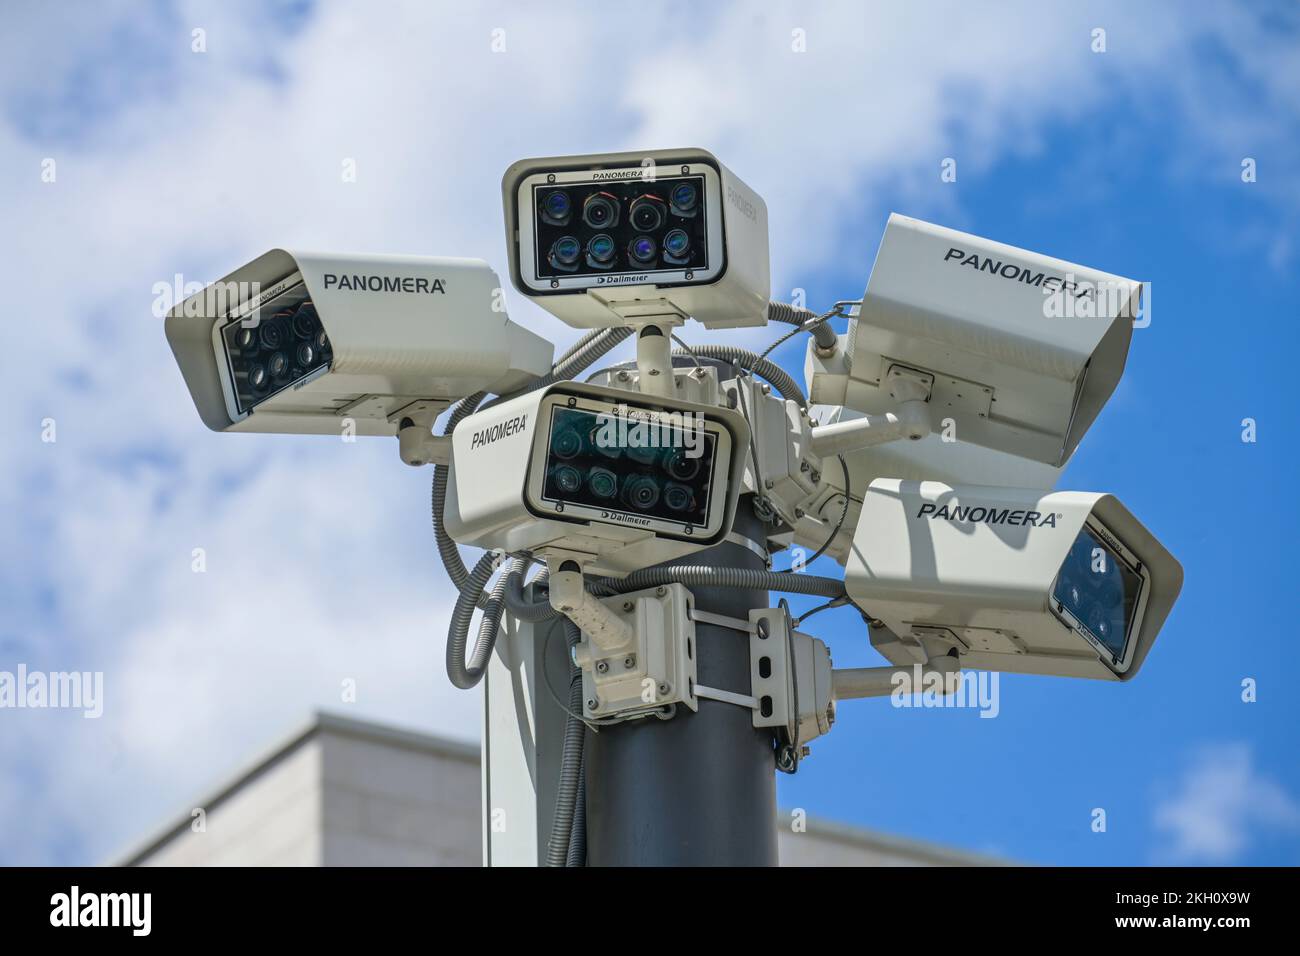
276	351
1099	590
592	461
621	226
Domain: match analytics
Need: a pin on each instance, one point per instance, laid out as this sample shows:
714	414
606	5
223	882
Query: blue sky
175	161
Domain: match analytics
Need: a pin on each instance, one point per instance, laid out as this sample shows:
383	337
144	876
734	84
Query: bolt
769	484
762	628
799	512
654	371
629	662
816	476
660	591
804	466
663	690
602	667
805	751
623	376
629	607
593	703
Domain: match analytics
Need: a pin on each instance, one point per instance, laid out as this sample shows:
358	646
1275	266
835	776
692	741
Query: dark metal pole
699	789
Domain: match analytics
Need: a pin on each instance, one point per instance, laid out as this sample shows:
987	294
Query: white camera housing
1024	349
722	280
1066	583
507	488
391	333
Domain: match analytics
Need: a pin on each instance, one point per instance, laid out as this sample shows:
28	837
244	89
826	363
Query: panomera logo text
74	908
365	283
619	174
1016	273
486	436
979	514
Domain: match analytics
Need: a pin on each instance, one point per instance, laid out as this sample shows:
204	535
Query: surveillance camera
1066	583
1024	349
611	239
301	342
615	480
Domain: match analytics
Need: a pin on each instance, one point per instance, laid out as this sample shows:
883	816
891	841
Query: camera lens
642	249
677	243
257	376
1098	621
602	482
557	207
600	210
566	444
305	354
644	456
604	446
677	497
322	343
641	492
269	334
278	364
600	250
647	213
565	252
304	321
681	466
684	197
568	479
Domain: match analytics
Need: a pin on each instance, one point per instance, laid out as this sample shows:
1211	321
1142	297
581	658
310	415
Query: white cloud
321	565
1221	805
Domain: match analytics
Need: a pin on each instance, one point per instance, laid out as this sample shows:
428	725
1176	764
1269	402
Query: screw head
629	606
602	666
593	703
629	662
663	689
660	591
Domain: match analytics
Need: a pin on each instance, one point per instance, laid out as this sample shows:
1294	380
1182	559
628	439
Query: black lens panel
634	218
269	353
632	465
1100	591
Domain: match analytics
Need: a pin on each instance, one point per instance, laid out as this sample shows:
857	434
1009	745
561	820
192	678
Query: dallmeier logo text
978	514
365	283
511	426
621	518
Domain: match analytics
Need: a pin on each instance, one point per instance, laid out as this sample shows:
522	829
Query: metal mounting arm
570	597
910	389
855	682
